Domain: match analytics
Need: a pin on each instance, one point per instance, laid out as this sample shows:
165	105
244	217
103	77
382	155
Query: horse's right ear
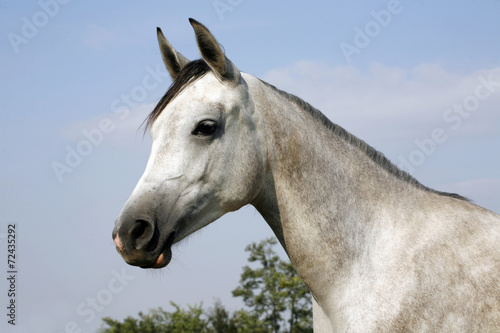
174	61
213	54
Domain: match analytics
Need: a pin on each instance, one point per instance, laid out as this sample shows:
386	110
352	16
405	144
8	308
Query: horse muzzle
139	243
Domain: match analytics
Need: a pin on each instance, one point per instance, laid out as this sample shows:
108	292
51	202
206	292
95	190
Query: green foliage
276	298
273	290
160	321
220	321
182	320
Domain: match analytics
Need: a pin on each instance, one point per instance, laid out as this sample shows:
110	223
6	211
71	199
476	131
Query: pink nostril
118	242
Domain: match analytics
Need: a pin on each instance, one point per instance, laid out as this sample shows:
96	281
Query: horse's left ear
212	53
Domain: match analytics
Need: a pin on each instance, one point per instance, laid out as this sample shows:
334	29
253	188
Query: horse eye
205	127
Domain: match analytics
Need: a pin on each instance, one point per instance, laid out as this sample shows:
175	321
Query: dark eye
205	128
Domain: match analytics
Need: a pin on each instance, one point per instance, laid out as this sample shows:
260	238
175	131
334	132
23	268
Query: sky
418	80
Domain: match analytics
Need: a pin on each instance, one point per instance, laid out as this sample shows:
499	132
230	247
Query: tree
182	321
298	300
274	290
219	320
160	321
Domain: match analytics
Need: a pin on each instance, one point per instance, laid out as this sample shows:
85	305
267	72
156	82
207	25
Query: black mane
371	152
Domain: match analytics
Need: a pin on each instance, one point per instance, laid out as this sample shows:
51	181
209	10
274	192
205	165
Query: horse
379	251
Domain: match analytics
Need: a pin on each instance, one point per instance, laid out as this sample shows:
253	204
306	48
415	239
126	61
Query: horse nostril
141	233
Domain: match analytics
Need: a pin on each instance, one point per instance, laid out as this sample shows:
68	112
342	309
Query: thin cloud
120	129
400	102
386	103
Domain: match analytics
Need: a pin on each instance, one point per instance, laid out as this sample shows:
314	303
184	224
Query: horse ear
174	61
212	53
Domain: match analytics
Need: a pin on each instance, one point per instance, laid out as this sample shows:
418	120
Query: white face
206	160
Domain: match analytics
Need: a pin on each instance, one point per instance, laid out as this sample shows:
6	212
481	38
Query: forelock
189	73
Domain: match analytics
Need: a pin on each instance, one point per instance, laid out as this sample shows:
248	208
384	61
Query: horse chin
165	255
162	260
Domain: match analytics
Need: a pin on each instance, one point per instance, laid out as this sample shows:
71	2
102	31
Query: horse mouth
165	255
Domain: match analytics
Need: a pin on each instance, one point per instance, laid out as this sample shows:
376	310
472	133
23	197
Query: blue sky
423	87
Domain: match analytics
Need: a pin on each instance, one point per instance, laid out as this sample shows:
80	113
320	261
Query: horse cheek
241	179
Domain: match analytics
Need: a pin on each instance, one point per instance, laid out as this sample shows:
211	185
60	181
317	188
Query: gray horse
379	251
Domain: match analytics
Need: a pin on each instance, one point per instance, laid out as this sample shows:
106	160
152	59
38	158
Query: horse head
206	157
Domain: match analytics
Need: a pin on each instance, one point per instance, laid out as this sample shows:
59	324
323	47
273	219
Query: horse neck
323	193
